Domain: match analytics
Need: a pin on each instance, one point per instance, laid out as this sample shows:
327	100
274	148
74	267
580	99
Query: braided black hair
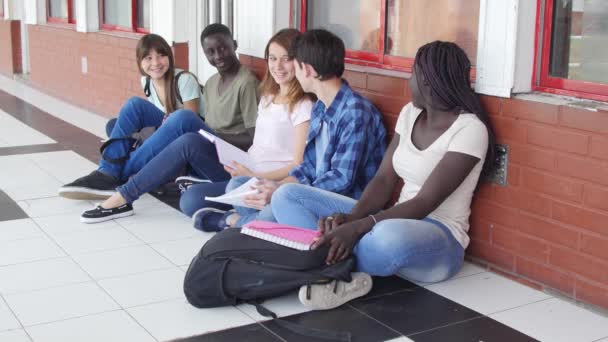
446	68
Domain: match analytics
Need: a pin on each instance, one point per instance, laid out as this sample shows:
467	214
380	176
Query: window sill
66	26
377	71
561	100
121	34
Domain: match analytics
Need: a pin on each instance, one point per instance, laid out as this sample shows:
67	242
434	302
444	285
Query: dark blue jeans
190	150
134	115
194	199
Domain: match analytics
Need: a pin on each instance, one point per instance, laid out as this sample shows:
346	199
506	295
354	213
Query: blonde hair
269	86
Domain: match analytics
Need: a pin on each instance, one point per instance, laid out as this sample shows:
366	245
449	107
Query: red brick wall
112	77
549	227
10	47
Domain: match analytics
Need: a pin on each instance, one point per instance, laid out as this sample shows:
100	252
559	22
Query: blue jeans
195	200
190	150
134	115
421	250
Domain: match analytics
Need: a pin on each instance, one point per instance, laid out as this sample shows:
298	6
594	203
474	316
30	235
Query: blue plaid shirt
356	143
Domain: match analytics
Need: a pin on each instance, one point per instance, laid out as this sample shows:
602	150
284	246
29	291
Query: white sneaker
335	293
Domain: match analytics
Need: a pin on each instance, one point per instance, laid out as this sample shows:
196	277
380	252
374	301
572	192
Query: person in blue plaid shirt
346	139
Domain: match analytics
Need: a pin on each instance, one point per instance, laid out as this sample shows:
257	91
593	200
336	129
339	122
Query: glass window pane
578	41
409	25
357	22
117	12
58	9
143	14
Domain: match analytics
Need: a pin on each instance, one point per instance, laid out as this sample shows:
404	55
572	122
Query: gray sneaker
185	182
335	293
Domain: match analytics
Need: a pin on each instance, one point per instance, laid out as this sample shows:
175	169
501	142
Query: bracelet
373	218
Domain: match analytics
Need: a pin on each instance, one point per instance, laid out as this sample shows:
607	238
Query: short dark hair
215	29
323	50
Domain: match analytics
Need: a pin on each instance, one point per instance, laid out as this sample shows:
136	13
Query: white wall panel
496	47
256	24
86	15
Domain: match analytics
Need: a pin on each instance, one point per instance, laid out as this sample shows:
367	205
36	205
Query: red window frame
365	58
134	14
555	85
70	20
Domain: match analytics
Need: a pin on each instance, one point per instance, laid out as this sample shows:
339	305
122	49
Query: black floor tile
386	285
9	210
414	310
13	150
479	329
344	319
247	333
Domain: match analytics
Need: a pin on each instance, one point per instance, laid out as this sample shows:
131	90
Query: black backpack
233	268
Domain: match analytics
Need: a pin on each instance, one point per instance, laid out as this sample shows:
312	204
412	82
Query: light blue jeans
421	250
248	214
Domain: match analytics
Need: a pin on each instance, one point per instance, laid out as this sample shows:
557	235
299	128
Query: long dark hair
269	86
446	68
157	43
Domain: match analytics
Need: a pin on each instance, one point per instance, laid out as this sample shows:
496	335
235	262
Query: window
572	58
60	11
124	15
387	33
1	9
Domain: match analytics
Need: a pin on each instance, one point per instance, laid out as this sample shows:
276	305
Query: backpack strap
178	95
135	140
177	76
119	160
301	329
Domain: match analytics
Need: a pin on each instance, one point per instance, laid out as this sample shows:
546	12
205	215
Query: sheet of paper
207	135
236	197
228	153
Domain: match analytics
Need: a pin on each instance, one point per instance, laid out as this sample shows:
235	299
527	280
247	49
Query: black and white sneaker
185	182
94	186
99	214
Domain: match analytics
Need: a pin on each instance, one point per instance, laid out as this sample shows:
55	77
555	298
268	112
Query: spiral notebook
288	236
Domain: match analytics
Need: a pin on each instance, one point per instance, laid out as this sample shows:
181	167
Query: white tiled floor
122	280
15	133
555	320
178	318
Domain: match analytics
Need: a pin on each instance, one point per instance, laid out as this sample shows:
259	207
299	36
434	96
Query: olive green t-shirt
236	109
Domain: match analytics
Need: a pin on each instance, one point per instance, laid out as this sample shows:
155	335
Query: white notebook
236	197
228	153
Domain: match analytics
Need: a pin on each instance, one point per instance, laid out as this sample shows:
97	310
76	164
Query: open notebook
289	236
228	153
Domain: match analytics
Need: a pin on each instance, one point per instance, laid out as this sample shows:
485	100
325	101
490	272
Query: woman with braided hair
440	148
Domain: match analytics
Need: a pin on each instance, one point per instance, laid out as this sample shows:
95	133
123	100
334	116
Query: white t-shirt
273	142
188	89
466	135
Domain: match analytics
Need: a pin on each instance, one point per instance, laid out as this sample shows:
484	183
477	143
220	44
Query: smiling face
220	51
280	66
155	64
